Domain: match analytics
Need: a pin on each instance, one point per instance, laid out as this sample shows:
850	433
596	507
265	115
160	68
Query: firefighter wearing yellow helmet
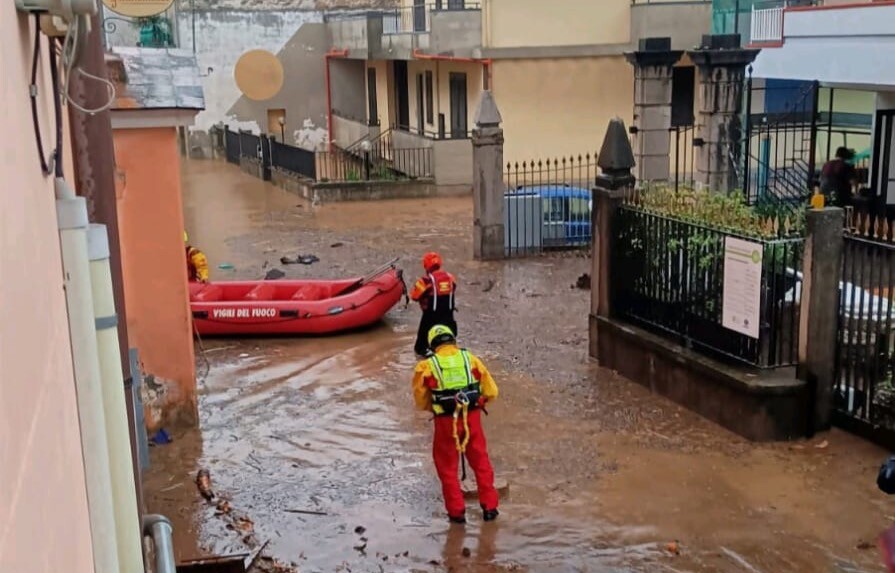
454	384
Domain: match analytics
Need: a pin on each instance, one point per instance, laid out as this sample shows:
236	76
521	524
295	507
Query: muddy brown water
603	474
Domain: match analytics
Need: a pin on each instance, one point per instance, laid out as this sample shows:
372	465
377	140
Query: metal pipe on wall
159	528
124	494
71	213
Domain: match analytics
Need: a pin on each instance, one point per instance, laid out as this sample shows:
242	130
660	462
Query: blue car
563	212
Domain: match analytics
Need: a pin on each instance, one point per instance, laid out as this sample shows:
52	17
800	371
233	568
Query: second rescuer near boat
455	385
434	292
196	262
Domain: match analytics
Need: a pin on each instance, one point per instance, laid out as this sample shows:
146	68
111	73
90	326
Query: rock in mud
274	275
583	282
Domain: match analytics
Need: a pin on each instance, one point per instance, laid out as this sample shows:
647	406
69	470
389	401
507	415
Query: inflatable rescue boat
282	307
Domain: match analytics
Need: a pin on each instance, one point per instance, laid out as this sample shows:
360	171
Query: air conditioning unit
66	9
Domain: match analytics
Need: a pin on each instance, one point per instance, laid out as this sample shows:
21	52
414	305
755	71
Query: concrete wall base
332	192
760	406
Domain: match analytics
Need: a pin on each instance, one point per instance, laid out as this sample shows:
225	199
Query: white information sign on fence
741	303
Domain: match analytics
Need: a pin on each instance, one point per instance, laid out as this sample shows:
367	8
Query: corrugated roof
155	78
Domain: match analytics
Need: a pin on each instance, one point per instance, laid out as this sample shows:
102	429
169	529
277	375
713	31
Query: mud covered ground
603	475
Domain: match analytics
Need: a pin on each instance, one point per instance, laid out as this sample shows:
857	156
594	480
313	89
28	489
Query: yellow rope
461	446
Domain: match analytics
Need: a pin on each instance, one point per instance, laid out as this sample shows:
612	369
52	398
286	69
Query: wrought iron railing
548	204
864	388
668	277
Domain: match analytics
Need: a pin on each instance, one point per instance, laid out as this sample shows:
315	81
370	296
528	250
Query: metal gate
864	394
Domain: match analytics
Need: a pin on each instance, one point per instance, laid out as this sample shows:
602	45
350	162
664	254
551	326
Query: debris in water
822	445
203	482
335	245
160	438
488	286
274	275
360	529
250	560
300	260
864	545
362	549
224	507
225	266
673	547
583	282
245	524
466	552
305	512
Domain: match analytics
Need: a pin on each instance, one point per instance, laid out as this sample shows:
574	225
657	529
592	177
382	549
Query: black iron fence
232	145
548	204
864	394
249	145
293	159
669	277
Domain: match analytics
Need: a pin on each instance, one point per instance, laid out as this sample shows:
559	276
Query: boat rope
201	379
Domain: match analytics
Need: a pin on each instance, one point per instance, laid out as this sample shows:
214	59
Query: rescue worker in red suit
434	292
454	384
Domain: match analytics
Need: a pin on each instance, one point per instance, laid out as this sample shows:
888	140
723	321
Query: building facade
836	55
556	69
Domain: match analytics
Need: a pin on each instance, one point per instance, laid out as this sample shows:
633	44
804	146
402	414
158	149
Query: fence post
487	177
722	68
819	310
264	142
653	66
612	185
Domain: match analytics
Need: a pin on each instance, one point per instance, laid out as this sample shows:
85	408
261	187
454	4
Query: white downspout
124	492
71	214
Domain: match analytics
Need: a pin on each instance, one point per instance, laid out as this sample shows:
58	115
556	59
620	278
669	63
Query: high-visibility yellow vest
453	375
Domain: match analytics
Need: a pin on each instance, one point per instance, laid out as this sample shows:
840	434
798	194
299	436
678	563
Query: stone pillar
653	64
614	182
722	68
819	315
487	181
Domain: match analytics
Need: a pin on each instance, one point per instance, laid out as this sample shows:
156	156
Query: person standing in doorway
454	384
434	292
838	178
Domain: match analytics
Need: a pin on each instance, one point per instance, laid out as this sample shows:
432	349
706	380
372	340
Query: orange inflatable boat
285	307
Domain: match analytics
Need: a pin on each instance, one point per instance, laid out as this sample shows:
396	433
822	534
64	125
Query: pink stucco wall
44	524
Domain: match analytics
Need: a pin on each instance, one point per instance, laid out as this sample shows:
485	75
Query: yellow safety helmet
186	238
440	334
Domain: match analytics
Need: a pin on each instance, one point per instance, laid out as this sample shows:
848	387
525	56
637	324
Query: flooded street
315	440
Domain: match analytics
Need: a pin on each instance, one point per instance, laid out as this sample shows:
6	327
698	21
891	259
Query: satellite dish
138	8
259	75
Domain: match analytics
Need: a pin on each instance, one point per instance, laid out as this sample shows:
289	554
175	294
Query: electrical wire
59	167
71	51
45	165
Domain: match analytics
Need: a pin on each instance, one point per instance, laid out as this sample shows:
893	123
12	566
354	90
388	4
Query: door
883	164
420	105
402	95
419	15
683	94
459	128
372	103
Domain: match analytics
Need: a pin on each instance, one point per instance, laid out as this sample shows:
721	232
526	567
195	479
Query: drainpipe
71	214
329	94
486	64
124	492
159	528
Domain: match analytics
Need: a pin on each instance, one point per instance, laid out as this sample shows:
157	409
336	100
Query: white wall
847	46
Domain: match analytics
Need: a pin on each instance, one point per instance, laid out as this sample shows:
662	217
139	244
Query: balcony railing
767	19
408	20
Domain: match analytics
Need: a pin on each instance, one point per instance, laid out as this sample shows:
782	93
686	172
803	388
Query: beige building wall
441	73
536	23
44	524
560	107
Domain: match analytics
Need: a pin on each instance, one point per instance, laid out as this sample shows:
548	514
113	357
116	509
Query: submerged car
552	215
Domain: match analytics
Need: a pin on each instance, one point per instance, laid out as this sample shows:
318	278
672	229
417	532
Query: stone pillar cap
487	114
616	153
